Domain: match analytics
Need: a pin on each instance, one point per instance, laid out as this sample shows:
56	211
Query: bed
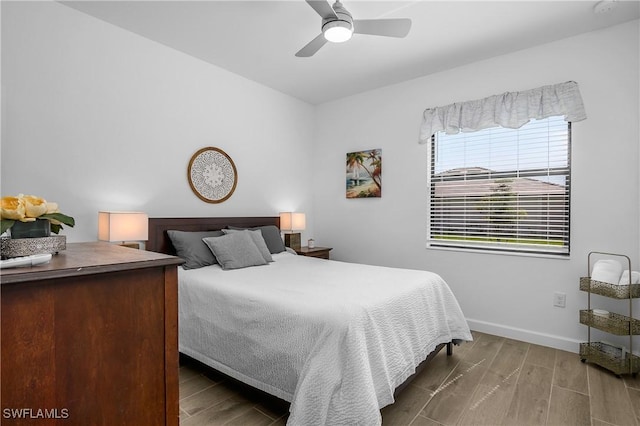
335	339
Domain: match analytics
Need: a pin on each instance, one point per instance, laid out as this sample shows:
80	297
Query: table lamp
290	222
123	227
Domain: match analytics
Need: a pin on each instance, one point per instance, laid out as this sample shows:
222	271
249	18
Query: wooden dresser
91	338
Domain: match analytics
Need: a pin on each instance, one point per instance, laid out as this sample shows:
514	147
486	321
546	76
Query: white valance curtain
510	110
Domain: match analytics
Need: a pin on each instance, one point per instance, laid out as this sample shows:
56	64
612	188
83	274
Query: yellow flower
13	208
52	208
28	208
34	206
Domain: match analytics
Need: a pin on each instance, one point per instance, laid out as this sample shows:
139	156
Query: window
502	189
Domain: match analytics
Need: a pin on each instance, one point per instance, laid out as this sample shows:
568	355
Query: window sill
502	253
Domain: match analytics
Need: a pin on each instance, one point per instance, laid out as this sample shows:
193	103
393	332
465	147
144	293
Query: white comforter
333	338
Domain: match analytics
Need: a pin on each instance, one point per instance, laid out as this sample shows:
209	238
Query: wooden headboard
159	239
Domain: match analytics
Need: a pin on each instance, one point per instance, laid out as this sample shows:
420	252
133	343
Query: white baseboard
543	339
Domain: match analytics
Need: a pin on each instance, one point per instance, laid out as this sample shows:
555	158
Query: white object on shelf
625	279
607	271
32	260
600	312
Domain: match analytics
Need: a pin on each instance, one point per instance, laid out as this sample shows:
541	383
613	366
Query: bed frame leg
449	349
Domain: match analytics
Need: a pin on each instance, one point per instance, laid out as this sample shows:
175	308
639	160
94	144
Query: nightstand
319	252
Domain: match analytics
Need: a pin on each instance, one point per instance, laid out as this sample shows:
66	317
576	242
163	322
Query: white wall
97	118
508	295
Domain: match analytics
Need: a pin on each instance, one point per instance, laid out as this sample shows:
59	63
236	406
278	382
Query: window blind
502	189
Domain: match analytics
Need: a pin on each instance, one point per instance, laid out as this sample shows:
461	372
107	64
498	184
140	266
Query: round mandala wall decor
212	175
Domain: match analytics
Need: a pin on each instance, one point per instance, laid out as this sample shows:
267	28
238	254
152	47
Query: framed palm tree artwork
364	174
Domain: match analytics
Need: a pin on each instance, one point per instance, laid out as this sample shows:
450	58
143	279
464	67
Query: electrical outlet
559	299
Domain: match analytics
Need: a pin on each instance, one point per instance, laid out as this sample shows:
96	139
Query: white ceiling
258	39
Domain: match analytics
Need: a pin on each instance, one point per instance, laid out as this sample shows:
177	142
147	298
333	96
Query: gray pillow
235	251
256	236
271	235
190	247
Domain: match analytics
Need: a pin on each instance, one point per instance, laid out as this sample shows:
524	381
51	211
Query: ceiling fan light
337	31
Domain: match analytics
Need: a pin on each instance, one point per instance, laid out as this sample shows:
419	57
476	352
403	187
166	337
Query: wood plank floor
490	381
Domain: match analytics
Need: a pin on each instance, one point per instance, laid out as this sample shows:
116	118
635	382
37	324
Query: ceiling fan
338	26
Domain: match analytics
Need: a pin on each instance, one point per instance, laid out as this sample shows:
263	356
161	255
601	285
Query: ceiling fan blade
382	27
312	47
323	8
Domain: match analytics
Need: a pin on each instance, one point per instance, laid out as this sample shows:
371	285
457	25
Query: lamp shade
123	226
290	221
